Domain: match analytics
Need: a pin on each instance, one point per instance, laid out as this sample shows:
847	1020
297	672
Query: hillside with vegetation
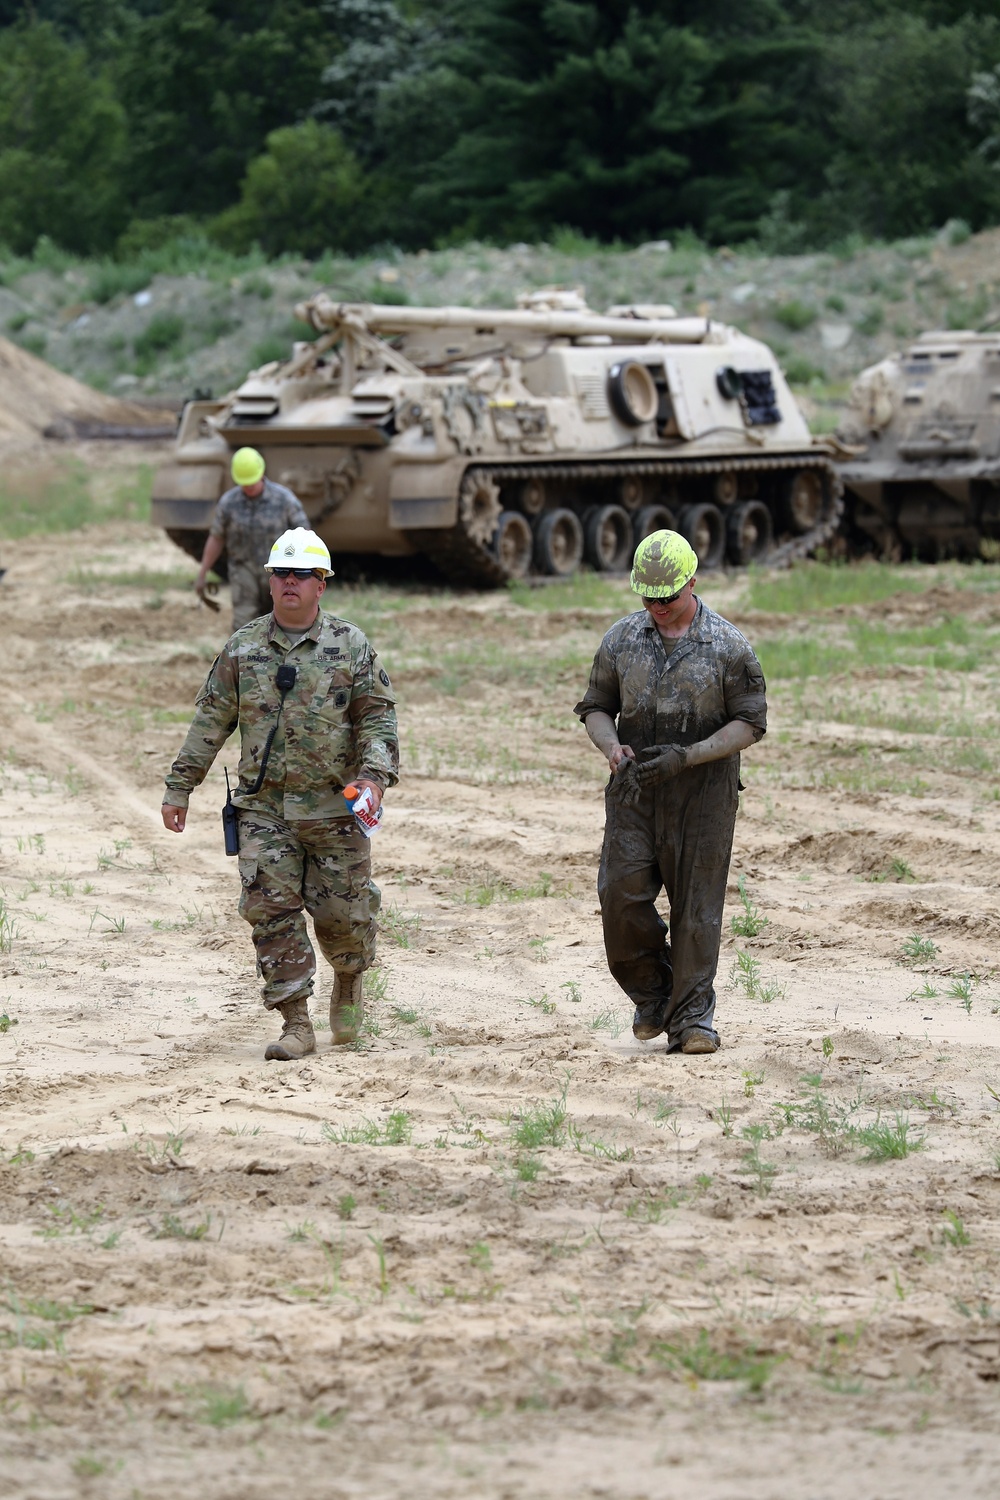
190	316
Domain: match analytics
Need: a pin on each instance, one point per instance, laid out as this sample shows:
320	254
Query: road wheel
652	518
630	492
532	497
558	543
726	488
748	533
608	538
479	508
706	531
803	500
513	543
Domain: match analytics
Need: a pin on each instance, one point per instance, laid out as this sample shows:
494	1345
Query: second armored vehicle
498	443
927	483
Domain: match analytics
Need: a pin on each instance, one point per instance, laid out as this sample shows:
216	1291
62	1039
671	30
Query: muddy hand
655	765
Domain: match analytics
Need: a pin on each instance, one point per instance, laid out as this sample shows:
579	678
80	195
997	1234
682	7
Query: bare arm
733	737
214	548
601	729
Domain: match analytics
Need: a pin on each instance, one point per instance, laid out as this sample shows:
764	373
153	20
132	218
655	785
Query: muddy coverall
249	525
679	836
300	848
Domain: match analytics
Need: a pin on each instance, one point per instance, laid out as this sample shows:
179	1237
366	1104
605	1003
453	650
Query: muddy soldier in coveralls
675	694
300	847
246	521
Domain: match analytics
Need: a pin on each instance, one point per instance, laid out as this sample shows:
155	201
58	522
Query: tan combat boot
297	1036
347	1007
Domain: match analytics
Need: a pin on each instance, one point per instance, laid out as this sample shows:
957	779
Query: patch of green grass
885	1142
172	1227
539	1125
538	1002
9	933
961	988
916	947
89	1467
746	974
747	923
6	1022
299	1233
581	591
753	1164
607	1020
86	581
831	1121
810	587
703	1359
501	890
57	497
954	1232
221	1406
651	1208
398	926
395	1130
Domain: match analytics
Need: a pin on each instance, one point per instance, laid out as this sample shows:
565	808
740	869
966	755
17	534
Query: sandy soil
678	1288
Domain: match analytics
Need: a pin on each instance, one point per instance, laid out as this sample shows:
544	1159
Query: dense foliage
307	124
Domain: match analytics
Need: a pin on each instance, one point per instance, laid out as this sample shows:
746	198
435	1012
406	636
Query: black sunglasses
647	601
295	572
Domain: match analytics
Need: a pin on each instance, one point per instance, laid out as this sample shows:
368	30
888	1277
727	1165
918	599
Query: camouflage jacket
338	721
250	527
678	698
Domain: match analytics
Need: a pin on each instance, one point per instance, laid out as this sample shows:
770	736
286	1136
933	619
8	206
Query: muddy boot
347	1007
297	1036
697	1040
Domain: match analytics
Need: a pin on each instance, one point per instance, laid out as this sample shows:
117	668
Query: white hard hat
300	548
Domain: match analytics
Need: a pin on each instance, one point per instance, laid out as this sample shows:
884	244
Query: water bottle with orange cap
360	803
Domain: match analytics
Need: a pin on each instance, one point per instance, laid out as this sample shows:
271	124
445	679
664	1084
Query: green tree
62	144
204	82
305	193
904	154
624	118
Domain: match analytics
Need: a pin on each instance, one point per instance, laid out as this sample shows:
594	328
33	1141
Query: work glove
651	767
205	591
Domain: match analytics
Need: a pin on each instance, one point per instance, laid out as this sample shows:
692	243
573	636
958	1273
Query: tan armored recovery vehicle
499	443
927	483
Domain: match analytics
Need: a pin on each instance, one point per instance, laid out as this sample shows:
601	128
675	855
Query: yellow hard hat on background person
663	563
300	548
247	466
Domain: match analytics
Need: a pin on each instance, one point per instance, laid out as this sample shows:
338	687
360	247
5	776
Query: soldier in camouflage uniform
246	521
300	848
675	694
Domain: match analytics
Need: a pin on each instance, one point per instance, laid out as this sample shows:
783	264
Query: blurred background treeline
302	126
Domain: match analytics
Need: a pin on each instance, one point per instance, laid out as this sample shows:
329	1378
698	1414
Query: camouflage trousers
319	866
250	591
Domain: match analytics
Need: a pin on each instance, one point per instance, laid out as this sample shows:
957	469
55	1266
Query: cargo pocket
248	872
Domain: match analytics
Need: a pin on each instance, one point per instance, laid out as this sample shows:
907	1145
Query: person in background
247	519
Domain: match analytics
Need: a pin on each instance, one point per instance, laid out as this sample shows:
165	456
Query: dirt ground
501	1249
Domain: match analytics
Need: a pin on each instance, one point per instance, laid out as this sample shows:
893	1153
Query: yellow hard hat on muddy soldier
663	563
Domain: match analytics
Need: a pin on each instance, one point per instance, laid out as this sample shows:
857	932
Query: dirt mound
37	400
